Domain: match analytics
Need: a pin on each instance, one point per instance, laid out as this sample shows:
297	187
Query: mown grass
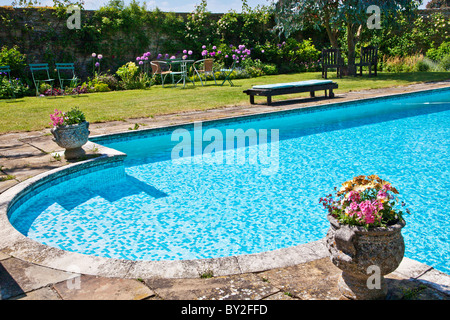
32	113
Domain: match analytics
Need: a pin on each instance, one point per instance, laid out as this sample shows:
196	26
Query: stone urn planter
72	138
362	254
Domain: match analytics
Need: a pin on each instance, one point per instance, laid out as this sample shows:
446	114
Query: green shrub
256	68
101	87
444	64
110	80
437	54
422	66
44	87
11	88
131	78
270	68
14	59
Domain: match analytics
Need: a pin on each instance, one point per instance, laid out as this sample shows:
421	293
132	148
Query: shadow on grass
14	101
403	76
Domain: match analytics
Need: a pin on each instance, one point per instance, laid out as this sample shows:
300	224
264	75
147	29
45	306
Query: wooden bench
331	59
369	58
292	87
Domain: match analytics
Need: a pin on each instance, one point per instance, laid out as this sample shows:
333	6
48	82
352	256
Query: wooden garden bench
369	58
310	86
331	59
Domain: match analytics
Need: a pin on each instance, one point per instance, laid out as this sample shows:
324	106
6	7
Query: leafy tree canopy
335	15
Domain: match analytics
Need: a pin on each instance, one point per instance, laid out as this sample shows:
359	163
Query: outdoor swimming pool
216	200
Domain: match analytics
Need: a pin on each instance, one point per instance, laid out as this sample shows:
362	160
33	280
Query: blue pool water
216	201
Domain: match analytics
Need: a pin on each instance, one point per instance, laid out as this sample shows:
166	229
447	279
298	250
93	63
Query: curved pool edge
17	245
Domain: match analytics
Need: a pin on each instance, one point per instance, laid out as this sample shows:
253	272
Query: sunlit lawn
32	113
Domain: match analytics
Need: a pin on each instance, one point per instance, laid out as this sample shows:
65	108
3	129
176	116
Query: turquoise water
216	201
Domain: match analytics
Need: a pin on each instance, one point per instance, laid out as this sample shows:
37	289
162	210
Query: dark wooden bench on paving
292	87
369	58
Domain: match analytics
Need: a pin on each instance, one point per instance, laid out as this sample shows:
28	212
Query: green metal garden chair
66	73
40	74
6	69
227	73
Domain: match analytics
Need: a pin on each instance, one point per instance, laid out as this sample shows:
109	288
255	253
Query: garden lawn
32	113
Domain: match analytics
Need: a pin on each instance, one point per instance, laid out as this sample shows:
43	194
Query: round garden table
182	70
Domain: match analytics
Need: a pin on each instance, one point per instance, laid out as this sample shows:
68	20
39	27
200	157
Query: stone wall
44	37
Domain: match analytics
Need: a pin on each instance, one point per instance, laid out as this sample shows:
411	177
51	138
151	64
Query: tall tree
333	15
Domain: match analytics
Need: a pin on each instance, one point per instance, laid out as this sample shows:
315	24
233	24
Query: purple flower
94	55
138	58
184	51
141	62
184	57
166	56
212	54
214	47
219	52
262	51
159	56
203	47
97	64
100	57
190	52
204	53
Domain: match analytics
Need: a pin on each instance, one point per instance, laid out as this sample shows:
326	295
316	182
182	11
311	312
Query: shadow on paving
8	286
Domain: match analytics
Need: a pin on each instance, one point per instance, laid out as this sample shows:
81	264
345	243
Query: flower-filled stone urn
364	239
71	132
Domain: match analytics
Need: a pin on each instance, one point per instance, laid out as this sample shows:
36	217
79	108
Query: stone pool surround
19	246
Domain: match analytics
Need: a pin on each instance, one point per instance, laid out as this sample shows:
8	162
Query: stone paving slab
235	287
46	293
18	277
300	281
98	288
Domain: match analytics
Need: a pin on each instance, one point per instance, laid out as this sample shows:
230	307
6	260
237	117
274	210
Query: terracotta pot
365	256
72	138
